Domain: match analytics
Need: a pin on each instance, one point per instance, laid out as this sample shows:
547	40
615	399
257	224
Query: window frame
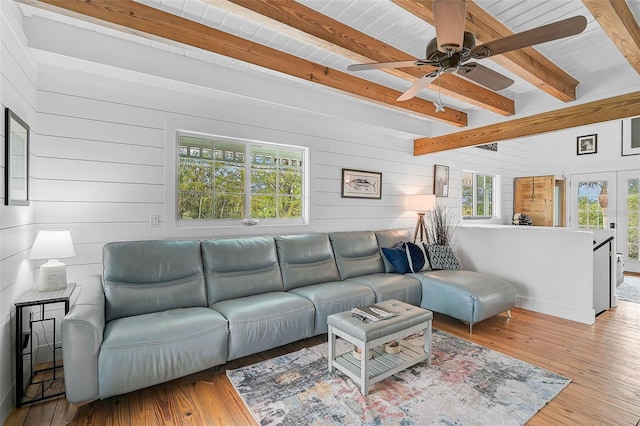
494	201
176	227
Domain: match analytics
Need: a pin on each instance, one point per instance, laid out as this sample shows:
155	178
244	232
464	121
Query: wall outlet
154	220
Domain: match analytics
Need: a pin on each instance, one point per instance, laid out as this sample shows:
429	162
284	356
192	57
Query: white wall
565	161
99	167
18	91
551	268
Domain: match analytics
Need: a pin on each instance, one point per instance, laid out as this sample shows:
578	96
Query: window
477	195
591	210
224	179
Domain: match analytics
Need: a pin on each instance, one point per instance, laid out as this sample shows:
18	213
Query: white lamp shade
52	244
421	202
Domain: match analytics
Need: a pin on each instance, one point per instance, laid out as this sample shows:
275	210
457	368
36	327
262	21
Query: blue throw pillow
417	258
397	257
442	257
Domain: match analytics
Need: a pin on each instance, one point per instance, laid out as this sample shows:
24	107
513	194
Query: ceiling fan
453	47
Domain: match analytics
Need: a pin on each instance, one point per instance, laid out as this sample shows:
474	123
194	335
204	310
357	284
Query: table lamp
421	203
52	244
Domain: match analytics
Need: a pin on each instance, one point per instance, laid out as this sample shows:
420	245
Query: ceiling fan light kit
453	47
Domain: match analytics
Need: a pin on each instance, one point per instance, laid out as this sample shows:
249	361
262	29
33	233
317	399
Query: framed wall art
587	144
441	181
361	184
631	136
16	157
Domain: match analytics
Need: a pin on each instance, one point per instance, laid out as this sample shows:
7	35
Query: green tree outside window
477	195
213	174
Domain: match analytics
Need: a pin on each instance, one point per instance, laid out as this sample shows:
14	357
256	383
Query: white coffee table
372	334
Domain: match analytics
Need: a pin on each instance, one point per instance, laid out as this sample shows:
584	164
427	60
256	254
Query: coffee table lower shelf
382	364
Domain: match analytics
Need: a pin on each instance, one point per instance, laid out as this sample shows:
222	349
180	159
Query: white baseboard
585	316
6	404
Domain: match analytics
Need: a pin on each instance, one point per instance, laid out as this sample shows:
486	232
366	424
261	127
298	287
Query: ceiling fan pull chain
439	105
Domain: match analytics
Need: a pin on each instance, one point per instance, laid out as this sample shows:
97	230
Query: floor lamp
421	204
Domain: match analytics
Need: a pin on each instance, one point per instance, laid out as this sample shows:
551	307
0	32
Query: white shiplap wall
99	147
100	164
18	91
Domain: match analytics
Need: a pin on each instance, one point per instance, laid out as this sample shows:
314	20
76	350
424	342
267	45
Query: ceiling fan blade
449	17
382	65
554	31
485	76
418	86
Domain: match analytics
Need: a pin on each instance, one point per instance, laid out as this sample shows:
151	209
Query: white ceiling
590	57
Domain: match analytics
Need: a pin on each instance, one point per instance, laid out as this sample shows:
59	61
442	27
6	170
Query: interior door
628	221
593	201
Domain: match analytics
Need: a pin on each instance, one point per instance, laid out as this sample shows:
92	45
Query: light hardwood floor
602	360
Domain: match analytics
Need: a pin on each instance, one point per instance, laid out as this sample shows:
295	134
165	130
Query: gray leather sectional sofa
166	309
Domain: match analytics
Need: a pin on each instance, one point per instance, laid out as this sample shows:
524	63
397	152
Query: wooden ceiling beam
303	23
617	20
148	20
615	108
527	63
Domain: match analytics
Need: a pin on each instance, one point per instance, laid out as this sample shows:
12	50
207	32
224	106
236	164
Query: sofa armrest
82	331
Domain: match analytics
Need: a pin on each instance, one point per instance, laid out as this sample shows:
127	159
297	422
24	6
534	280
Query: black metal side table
41	382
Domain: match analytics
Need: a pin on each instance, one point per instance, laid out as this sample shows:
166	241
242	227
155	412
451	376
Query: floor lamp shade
421	203
52	244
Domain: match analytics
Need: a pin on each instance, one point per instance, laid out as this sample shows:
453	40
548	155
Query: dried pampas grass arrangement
441	224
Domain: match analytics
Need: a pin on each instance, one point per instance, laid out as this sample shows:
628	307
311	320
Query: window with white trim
477	195
222	179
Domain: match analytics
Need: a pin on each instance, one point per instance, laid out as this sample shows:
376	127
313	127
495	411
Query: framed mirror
441	181
16	159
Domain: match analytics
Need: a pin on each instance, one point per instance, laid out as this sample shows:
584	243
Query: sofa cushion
265	321
148	349
442	257
417	258
405	288
391	238
152	276
306	259
397	257
240	267
330	298
357	253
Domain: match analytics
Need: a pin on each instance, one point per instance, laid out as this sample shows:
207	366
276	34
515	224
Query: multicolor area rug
629	290
466	384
